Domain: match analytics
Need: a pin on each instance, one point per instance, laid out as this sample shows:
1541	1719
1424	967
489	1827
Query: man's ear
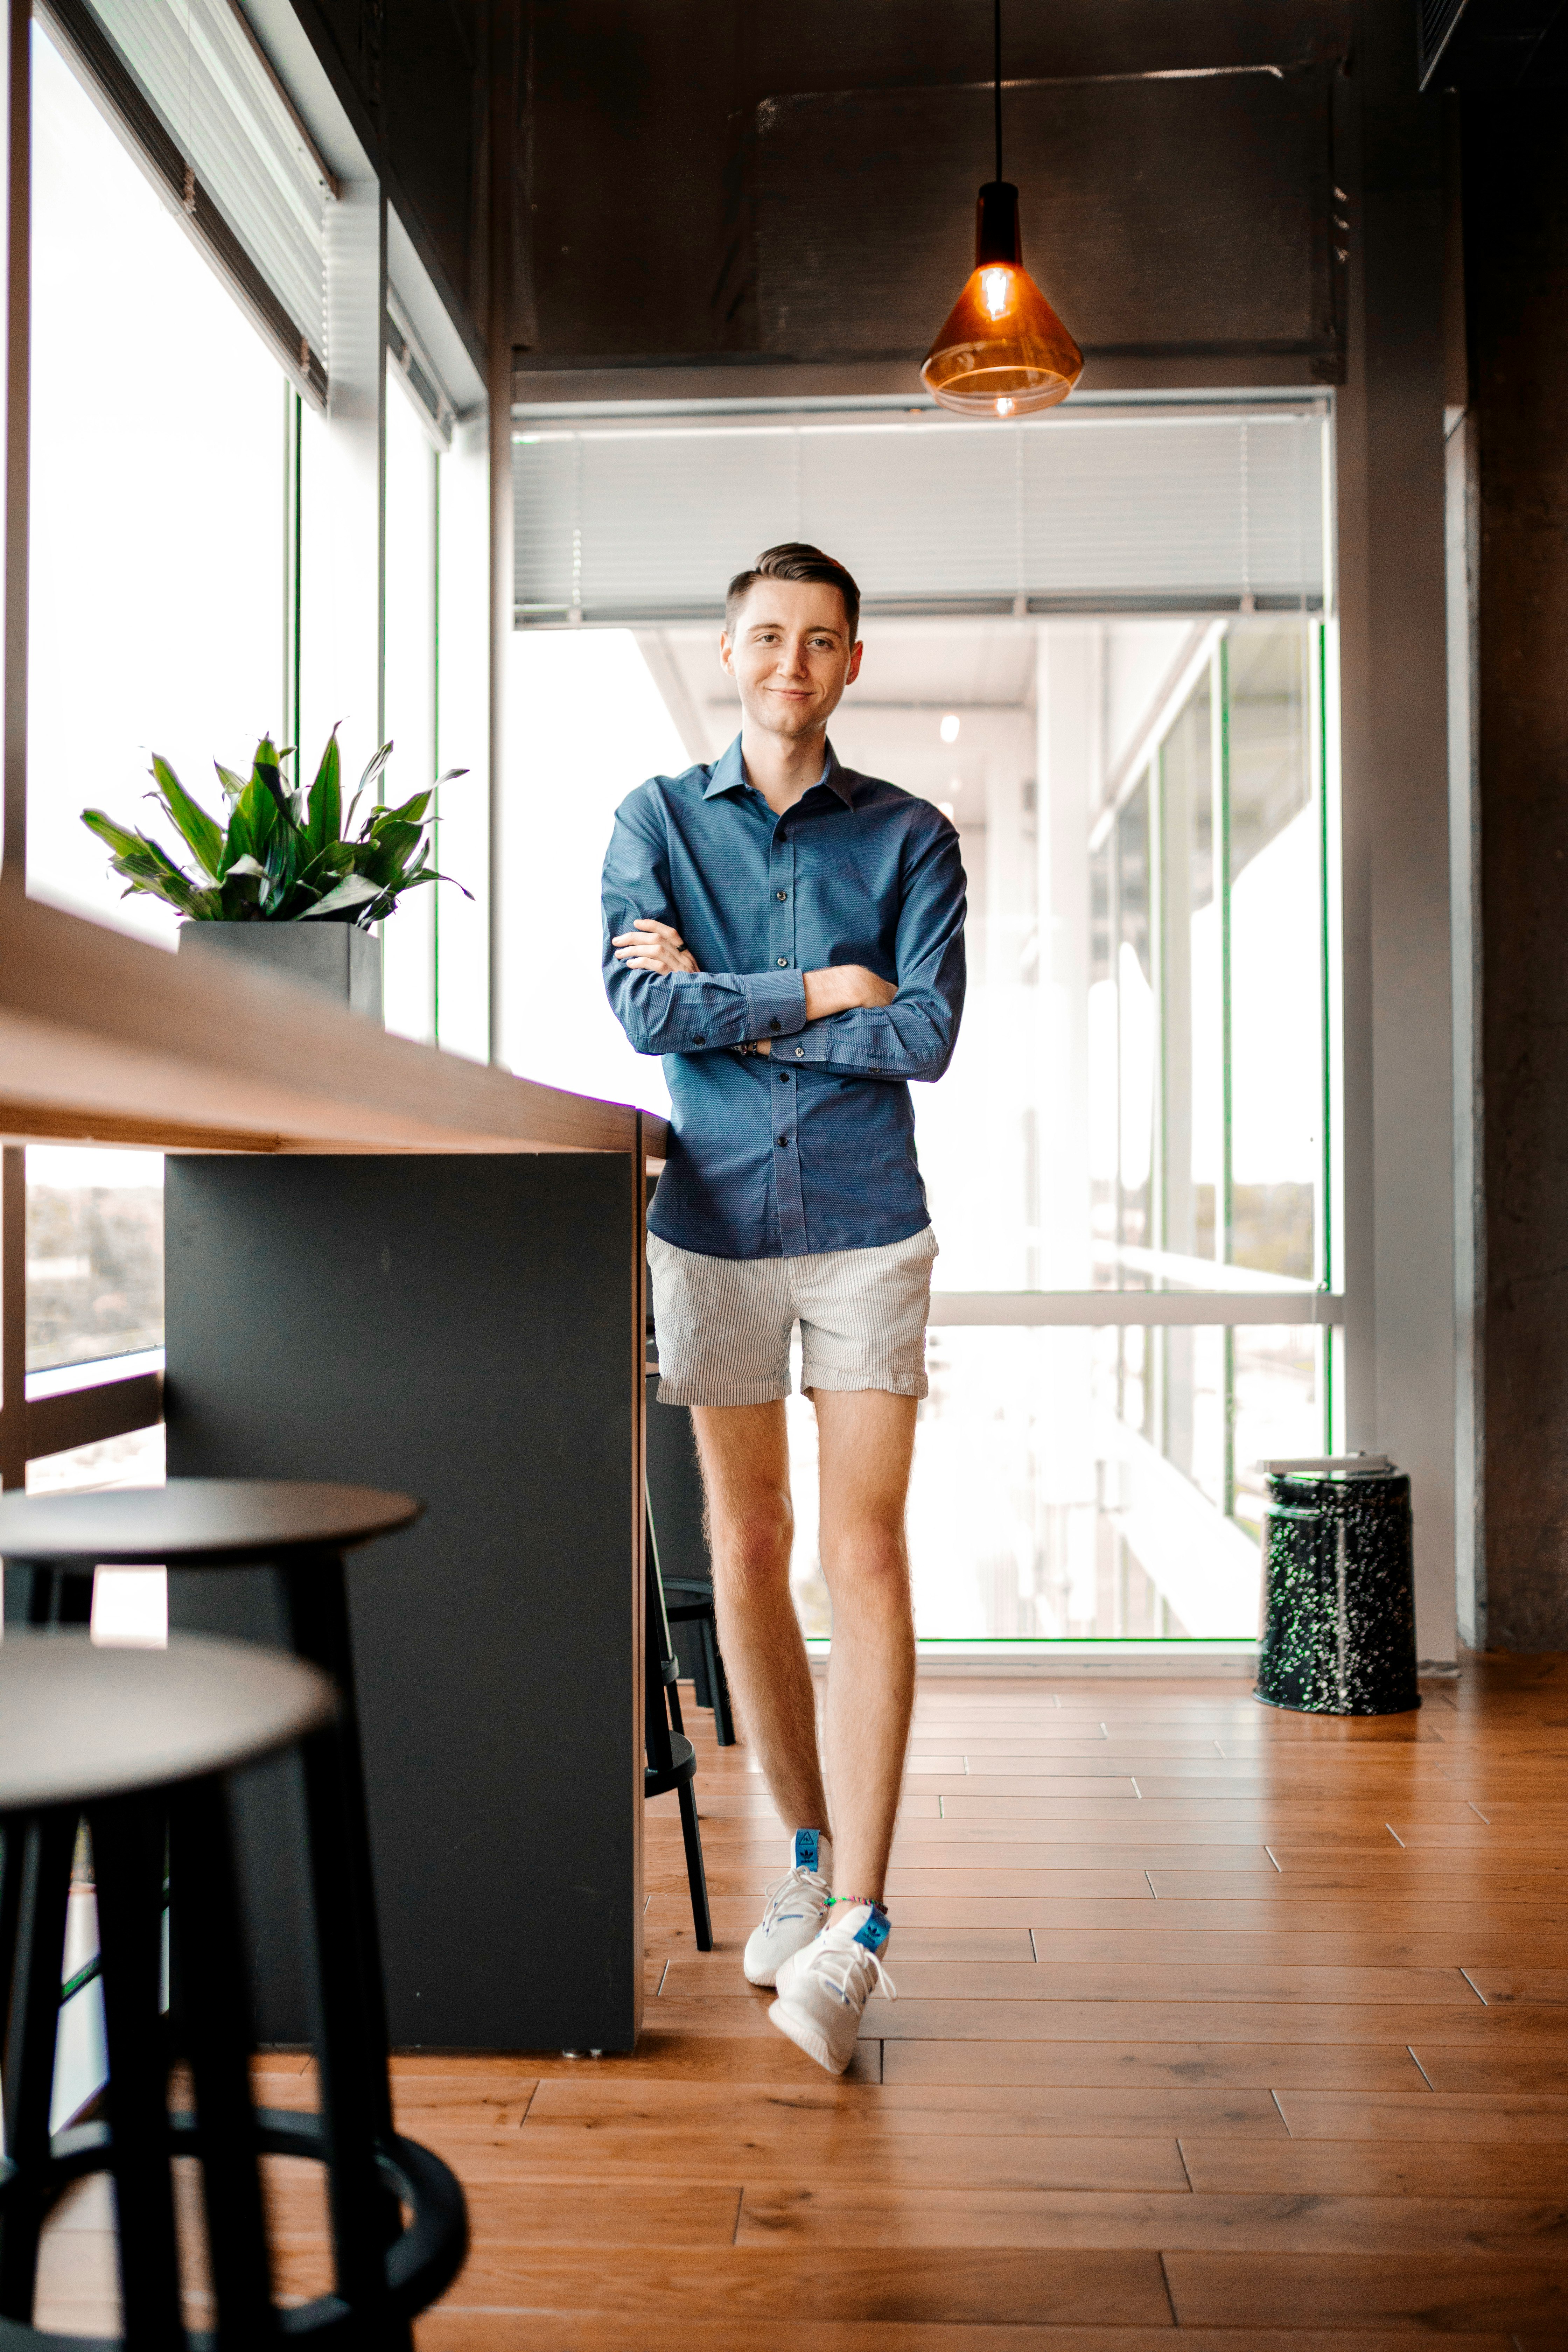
854	670
726	653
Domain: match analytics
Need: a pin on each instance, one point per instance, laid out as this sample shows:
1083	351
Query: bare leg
745	1474
866	1442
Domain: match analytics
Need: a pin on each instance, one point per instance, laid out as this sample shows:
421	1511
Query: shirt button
783	962
783	1138
784	1078
700	1041
800	1053
781	893
773	1025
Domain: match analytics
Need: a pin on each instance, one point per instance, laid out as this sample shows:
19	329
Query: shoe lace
854	1971
784	1890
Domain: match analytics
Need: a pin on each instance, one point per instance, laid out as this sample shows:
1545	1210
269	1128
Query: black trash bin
1339	1615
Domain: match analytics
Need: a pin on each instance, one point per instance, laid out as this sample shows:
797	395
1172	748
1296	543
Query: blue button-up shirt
812	1146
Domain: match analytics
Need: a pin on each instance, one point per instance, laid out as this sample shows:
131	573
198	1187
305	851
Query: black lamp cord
996	77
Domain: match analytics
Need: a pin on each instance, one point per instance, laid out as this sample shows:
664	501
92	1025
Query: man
789	935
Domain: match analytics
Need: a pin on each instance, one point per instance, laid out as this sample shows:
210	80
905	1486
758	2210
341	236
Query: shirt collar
728	775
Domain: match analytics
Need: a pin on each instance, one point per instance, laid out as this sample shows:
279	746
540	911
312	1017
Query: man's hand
652	947
840	987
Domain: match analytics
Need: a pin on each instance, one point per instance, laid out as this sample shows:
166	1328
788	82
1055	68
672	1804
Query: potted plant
283	881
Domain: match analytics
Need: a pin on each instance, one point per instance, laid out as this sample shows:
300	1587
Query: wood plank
1527	2068
453	2329
1533	1986
917	2109
1456	2116
919	1978
1286	2224
1257	2066
1349	2024
1440	2294
833	2151
746	2287
1430	2167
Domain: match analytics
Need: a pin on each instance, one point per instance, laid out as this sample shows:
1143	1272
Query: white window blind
190	85
1089	509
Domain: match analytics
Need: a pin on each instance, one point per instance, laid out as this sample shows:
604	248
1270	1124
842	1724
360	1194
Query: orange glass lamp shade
1002	351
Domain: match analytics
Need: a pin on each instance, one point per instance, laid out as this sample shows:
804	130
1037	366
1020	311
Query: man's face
791	655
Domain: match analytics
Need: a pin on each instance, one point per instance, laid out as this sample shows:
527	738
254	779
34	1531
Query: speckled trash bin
1339	1619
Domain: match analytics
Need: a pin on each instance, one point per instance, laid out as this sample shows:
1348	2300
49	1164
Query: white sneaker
797	1905
823	1988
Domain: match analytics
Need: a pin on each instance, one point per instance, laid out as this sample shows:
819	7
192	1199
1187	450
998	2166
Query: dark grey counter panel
467	1329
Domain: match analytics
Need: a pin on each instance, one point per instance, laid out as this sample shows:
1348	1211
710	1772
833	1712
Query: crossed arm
650	946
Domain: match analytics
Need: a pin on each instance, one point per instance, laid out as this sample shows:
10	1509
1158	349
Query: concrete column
1070	757
1398	1082
1515	163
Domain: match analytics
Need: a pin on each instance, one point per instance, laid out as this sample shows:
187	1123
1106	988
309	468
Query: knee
870	1558
753	1547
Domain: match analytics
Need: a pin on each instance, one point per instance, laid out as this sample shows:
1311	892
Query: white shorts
723	1324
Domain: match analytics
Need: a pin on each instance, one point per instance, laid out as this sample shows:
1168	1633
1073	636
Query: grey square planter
335	958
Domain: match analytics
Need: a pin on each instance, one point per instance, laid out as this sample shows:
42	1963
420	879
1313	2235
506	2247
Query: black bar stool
385	2271
142	1741
675	1516
671	1758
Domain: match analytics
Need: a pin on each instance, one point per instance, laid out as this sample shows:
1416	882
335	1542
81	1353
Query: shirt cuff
775	1003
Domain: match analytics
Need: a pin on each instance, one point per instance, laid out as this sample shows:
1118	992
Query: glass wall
157	617
1138	1103
94	1255
586	725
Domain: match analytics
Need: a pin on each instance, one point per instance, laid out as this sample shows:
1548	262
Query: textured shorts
723	1324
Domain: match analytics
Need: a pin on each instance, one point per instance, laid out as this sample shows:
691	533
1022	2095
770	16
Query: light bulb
996	292
950	727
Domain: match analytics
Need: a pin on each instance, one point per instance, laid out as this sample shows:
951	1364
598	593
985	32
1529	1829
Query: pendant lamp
1002	350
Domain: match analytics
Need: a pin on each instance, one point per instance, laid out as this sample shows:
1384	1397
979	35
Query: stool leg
37	1870
53	1597
356	2094
128	1845
696	1873
209	1947
718	1681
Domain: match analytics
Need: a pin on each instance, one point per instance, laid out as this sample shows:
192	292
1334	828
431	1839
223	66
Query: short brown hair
794	560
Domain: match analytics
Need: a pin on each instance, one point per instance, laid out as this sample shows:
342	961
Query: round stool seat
80	1721
198	1522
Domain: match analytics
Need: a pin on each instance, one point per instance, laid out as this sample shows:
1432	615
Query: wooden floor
1211	2019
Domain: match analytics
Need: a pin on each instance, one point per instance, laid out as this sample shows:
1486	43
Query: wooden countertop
105	1039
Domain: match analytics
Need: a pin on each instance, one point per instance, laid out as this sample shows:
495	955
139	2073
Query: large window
157	617
409	940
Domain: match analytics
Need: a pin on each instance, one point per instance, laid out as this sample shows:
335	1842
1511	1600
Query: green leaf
194	827
410	812
140	861
373	767
324	821
373	771
233	785
353	891
387	852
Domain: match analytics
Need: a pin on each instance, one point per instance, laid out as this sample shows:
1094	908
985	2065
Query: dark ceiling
655	207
